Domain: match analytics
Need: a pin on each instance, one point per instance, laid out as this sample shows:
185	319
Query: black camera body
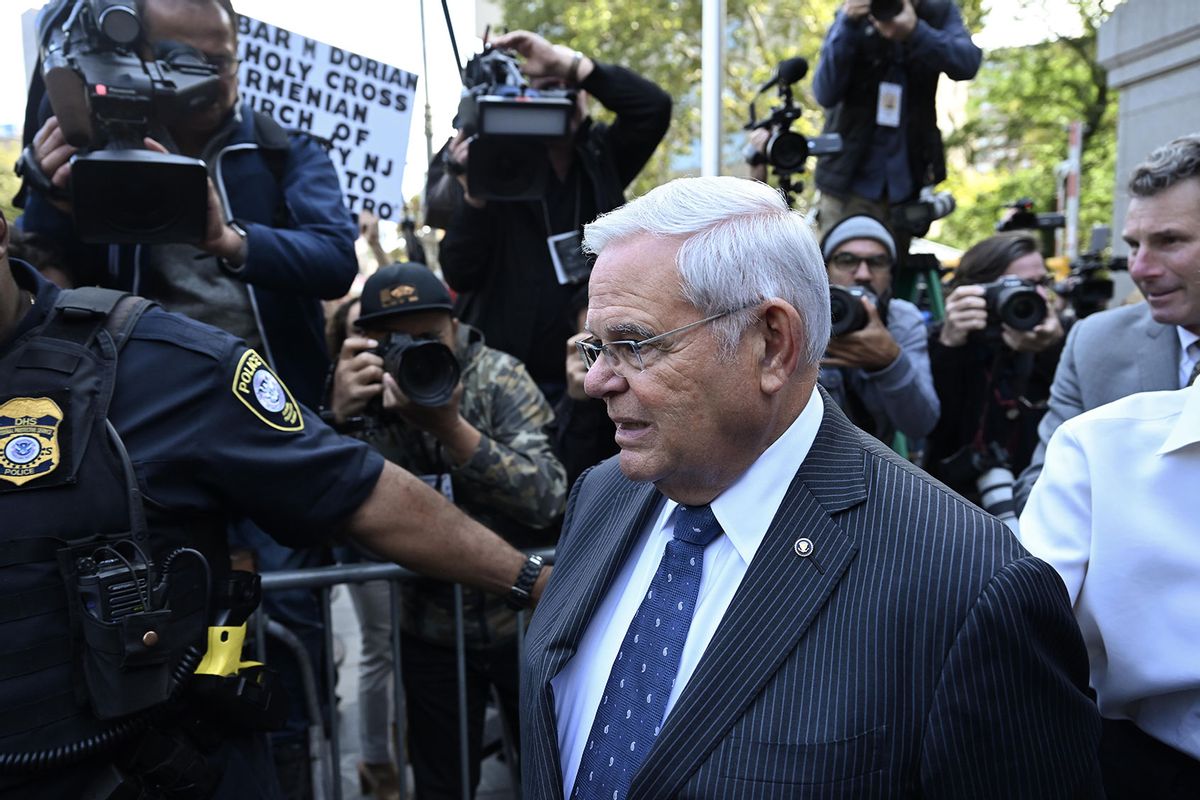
915	217
426	370
1025	217
1014	302
512	123
846	311
107	98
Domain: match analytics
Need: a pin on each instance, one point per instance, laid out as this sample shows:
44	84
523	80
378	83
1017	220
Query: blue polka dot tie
635	698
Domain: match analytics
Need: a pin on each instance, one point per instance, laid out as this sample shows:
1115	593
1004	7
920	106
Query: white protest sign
361	105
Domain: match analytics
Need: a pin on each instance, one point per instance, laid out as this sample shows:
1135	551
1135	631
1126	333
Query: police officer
126	442
484	441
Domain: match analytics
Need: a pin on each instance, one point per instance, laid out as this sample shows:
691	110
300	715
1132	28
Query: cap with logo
402	289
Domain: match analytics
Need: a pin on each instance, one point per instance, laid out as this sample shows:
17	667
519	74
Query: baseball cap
402	289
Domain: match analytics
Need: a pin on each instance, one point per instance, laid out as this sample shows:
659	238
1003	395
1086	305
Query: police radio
114	588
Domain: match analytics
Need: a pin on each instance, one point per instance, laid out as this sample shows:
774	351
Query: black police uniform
210	434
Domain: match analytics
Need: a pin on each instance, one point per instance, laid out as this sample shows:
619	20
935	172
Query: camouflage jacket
513	484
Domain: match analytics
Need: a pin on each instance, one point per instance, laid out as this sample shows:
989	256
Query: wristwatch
522	591
224	263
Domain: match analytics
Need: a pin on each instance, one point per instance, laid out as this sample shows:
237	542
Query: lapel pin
803	547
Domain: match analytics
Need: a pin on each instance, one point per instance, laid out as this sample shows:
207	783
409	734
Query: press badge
566	252
888	112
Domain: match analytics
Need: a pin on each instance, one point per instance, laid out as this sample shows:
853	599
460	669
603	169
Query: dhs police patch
29	439
264	394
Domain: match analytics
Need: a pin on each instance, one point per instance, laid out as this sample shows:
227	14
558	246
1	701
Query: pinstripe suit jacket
918	652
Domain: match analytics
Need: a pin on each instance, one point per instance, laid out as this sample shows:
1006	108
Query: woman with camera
993	360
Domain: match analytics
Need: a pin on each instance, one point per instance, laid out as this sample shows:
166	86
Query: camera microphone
788	72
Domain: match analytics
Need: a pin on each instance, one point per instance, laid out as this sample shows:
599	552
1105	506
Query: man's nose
862	274
602	380
1142	264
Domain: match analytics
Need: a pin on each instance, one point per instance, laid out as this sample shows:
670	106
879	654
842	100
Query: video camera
787	151
1024	217
107	98
425	369
511	123
1088	287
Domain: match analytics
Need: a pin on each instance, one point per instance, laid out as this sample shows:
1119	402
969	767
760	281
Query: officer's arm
405	521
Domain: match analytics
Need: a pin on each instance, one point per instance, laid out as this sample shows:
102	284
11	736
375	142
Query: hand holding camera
53	153
576	369
543	59
357	378
1048	332
870	347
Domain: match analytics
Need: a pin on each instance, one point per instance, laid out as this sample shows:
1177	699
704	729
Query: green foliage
1018	110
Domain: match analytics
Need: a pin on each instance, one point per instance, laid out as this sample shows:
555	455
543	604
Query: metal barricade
325	753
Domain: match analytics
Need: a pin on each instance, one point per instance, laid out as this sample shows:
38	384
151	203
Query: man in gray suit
756	599
1151	346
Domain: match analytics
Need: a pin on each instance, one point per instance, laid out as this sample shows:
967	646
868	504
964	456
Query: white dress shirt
745	511
1188	354
1115	511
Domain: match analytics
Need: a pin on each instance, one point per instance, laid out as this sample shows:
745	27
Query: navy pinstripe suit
918	652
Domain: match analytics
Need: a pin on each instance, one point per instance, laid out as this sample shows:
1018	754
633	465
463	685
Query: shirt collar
1186	430
1186	338
746	508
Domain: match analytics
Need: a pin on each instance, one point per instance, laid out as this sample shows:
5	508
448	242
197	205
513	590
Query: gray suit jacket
1107	356
918	652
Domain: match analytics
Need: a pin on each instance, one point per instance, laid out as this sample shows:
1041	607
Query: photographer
993	379
487	448
496	253
877	78
879	373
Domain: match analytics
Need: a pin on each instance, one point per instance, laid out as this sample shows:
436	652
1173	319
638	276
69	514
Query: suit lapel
775	604
1158	367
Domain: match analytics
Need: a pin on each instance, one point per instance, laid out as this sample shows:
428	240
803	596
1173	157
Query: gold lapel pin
803	547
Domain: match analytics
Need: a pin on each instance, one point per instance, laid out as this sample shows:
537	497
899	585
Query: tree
1015	135
9	182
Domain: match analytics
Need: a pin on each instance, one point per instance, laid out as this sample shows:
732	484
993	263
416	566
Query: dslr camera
1088	286
915	217
511	122
107	98
426	370
787	151
1014	302
846	311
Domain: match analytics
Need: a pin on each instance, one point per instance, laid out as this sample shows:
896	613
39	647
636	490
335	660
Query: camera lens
786	151
1021	307
426	371
846	312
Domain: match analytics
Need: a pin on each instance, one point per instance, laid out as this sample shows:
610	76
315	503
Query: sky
390	32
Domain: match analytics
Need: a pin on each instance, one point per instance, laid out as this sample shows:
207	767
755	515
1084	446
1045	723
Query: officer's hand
576	371
856	9
871	348
53	155
460	151
1047	333
899	27
357	378
542	59
966	311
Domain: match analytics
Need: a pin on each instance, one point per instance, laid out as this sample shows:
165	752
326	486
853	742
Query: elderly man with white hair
756	599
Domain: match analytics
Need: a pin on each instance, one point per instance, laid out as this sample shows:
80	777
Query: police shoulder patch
258	388
29	446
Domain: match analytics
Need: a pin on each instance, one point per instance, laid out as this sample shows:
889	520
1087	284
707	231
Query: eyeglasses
627	353
847	262
226	65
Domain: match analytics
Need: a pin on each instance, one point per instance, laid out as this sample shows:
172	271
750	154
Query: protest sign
364	107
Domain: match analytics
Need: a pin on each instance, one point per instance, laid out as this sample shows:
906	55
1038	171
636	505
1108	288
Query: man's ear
783	344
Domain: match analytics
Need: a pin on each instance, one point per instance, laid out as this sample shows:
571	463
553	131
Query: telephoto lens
996	495
426	371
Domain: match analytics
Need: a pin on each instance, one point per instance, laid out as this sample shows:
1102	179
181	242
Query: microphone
788	72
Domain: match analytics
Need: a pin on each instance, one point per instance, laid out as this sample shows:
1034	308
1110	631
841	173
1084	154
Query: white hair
744	245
